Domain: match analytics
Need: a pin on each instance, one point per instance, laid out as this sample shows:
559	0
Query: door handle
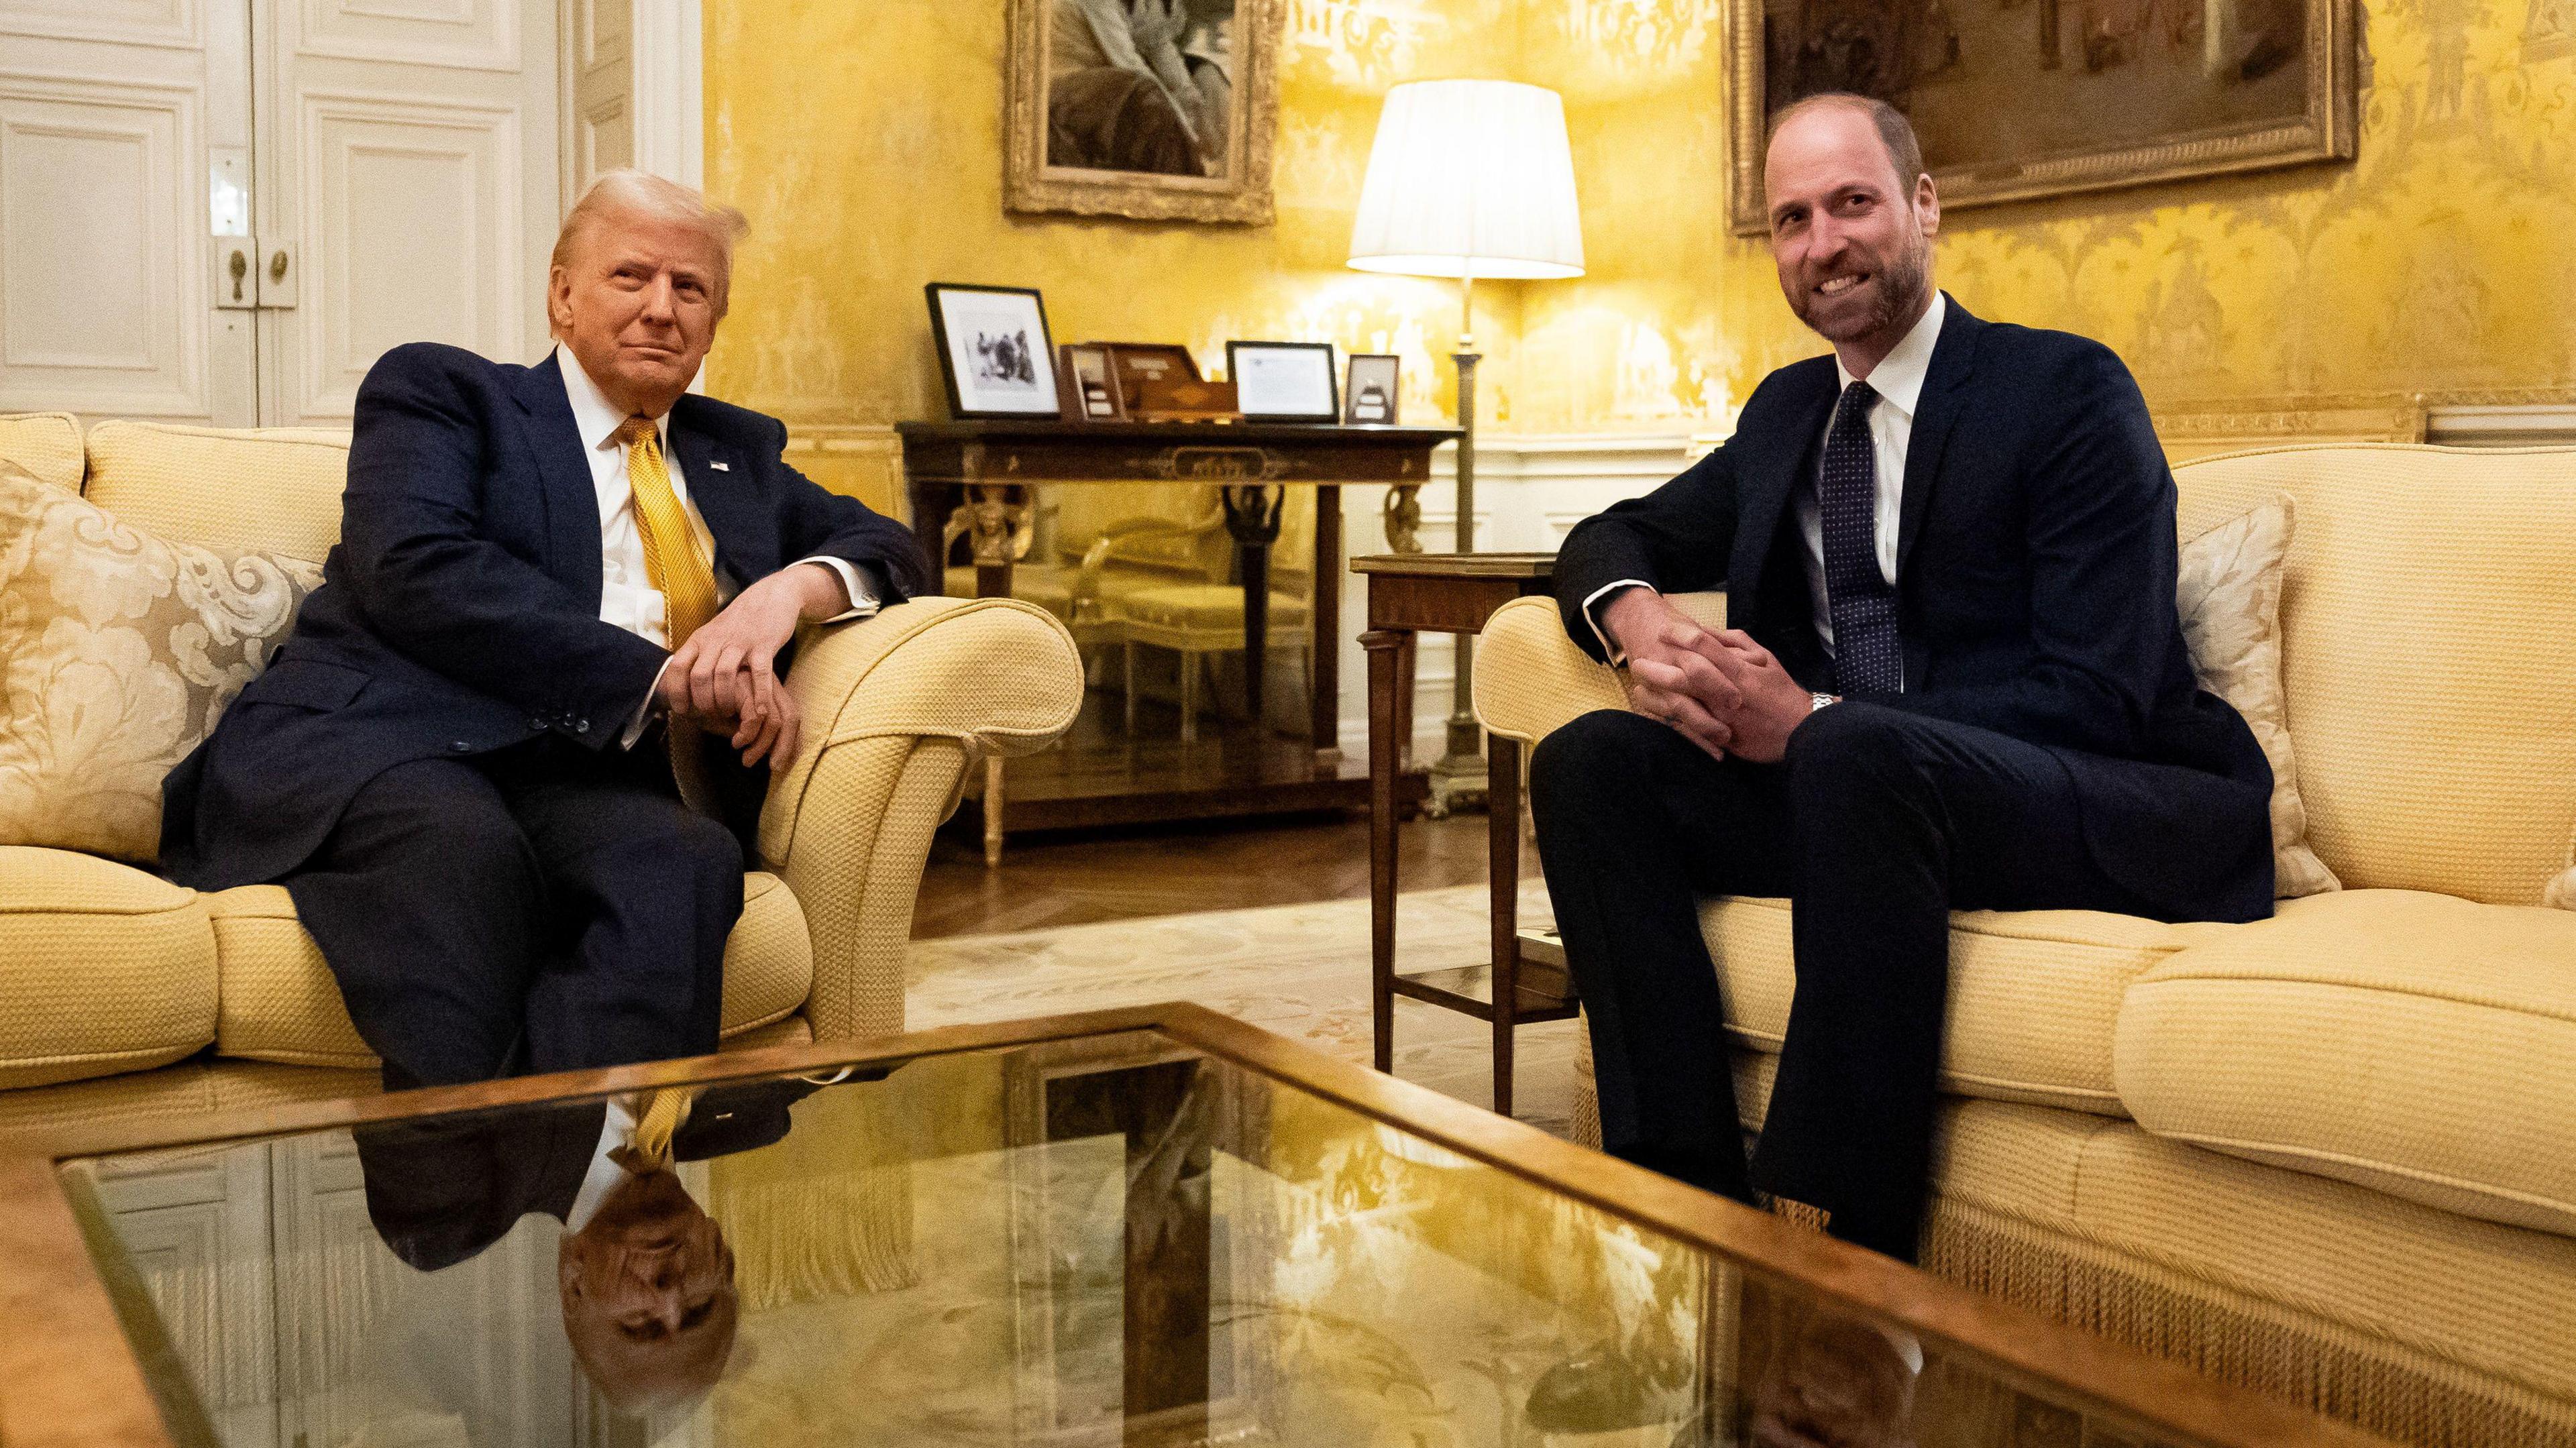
277	288
236	288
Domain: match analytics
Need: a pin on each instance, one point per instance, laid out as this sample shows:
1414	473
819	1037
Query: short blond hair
625	189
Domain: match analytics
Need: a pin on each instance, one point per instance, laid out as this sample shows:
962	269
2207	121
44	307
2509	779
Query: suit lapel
571	498
716	490
1954	356
1769	483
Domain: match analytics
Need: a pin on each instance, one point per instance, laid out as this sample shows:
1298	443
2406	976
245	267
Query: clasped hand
1723	691
724	677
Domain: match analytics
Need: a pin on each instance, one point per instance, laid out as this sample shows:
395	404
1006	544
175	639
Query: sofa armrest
1530	678
896	707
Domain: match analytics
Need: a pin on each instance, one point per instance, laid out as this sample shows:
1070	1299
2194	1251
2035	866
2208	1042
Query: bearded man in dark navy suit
1954	680
507	759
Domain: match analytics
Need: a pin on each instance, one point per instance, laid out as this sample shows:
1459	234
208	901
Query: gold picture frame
1099	119
2281	90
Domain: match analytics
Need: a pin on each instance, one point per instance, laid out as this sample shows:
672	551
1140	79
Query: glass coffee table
1153	1226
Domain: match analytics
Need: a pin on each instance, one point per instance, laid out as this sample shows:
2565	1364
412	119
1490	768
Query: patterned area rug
1299	970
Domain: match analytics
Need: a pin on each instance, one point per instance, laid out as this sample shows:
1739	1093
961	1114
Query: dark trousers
542	908
1876	826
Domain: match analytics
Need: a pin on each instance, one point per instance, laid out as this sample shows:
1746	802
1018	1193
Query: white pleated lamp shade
1470	178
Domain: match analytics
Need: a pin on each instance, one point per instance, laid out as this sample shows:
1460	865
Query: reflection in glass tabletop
1131	1235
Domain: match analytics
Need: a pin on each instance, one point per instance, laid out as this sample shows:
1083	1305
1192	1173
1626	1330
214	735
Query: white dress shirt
616	1128
627	597
1898	381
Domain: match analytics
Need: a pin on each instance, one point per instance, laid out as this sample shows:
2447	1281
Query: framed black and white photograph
1371	395
994	351
1284	381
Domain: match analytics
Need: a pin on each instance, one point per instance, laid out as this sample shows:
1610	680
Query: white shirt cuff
644	711
863	603
1609	649
863	597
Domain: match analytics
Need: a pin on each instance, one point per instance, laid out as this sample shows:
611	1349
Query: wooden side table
1450	593
976	477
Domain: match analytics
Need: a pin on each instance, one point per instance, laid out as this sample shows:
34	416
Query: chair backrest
2429	649
46	444
275	488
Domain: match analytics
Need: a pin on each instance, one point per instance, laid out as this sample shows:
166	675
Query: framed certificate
1284	381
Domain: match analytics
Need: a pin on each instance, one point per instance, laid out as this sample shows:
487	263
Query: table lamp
1468	179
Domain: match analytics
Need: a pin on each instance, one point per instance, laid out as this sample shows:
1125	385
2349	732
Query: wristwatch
1819	701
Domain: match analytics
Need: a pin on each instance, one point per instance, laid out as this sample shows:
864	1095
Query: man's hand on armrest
725	675
1667	678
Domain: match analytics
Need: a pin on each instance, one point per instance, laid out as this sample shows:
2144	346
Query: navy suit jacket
441	1190
2035	570
459	612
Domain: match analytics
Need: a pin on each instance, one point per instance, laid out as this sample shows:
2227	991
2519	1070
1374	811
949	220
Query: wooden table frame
973	477
72	1377
1453	593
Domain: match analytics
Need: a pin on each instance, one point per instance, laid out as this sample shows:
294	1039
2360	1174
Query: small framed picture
1371	395
1092	392
1284	381
994	351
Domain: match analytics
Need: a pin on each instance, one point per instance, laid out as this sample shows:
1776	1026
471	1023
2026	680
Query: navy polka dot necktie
1863	605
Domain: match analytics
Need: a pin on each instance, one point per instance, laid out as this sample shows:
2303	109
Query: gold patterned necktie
684	575
648	1150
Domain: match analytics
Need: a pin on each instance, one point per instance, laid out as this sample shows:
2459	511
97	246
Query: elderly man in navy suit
1955	680
504	762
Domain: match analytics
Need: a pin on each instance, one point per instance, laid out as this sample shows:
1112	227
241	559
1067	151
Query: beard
1897	288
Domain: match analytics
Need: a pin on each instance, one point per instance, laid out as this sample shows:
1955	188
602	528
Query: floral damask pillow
2229	594
118	651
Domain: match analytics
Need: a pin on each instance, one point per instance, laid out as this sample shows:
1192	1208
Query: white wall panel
413	234
467	34
97	199
179	23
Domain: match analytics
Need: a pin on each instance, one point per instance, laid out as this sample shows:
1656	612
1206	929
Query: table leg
998	532
993	812
1503	866
1404	702
1324	709
1383	646
933	501
1252	518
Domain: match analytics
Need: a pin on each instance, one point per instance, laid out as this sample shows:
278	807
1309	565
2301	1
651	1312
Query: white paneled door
110	114
223	211
411	189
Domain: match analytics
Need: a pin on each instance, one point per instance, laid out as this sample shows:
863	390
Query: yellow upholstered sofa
2331	1155
122	993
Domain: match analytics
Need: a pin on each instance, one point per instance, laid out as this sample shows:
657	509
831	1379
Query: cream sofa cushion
2430	664
2034	994
2414	1043
2229	593
46	444
118	651
273	488
103	968
280	1002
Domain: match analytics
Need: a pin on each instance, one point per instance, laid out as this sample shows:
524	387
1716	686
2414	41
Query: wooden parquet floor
1076	878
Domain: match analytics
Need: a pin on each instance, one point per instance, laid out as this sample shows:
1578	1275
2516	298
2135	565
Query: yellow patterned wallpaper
2438	263
865	142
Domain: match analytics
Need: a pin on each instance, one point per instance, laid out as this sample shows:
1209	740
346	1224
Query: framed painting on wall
2023	98
1160	109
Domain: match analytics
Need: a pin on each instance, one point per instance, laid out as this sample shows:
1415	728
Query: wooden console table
976	475
1450	593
